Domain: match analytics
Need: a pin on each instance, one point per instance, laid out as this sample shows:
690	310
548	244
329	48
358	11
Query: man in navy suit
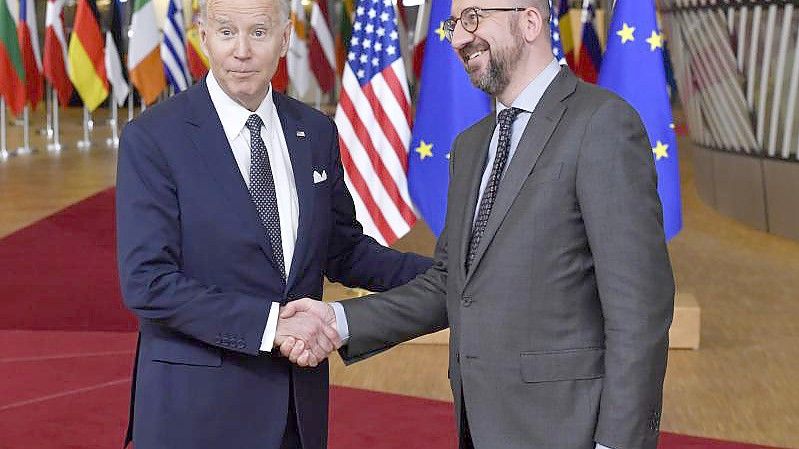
231	201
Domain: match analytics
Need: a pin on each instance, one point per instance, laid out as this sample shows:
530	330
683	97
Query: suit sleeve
149	255
381	321
355	259
617	195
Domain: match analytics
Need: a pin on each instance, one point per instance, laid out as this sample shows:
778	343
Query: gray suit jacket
559	331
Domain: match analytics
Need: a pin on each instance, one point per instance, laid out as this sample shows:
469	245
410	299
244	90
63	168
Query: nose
243	49
460	37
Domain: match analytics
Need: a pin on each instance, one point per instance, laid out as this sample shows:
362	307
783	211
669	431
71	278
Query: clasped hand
306	332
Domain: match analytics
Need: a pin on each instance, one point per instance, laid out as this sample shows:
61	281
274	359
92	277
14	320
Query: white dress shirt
234	117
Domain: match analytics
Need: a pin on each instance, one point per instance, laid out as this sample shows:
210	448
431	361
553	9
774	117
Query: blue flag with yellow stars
633	68
447	104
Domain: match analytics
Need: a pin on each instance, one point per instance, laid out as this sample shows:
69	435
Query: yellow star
660	151
424	149
442	34
626	33
655	41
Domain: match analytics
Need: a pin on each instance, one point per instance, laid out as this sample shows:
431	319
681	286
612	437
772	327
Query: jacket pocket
184	352
568	364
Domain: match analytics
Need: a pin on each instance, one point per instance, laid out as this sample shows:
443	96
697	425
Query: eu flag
633	68
447	104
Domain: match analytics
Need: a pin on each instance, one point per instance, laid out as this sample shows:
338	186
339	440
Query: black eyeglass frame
452	22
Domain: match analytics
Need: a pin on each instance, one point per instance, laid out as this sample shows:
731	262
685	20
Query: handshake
306	332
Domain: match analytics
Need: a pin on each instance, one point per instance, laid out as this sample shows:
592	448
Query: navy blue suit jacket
197	269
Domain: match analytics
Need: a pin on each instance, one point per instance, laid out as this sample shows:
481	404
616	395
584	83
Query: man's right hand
306	332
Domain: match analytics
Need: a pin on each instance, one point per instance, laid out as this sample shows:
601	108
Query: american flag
554	29
373	119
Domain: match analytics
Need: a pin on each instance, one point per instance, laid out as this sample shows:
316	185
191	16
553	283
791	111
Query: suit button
467	301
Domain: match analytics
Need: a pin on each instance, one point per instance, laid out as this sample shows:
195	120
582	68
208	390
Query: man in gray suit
552	271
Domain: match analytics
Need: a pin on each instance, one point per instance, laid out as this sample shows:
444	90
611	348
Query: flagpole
113	141
48	121
4	154
26	140
131	107
55	146
85	144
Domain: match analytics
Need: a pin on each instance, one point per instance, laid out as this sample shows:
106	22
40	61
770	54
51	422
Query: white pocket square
319	177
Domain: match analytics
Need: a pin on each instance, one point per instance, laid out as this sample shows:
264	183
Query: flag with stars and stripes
633	68
374	123
447	104
554	30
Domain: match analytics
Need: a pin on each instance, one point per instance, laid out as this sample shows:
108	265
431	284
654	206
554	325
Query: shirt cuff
341	322
268	340
599	446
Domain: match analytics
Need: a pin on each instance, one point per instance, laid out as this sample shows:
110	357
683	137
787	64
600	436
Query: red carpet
60	273
64	383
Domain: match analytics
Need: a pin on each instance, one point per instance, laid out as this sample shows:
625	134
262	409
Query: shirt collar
233	115
531	95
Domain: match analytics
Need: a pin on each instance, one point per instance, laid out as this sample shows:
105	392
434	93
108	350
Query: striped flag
299	67
31	54
113	62
173	48
12	70
87	56
566	34
55	51
344	34
197	61
144	59
321	47
373	119
590	50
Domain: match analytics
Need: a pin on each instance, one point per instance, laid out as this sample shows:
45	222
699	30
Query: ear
203	28
286	38
533	24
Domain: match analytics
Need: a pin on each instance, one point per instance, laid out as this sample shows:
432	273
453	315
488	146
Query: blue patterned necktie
506	118
262	190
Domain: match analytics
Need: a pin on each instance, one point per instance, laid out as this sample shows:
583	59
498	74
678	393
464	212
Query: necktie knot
254	123
507	116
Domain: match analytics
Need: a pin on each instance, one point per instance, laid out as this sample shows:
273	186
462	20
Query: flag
344	34
297	62
173	48
280	80
12	68
373	119
554	32
448	104
321	47
87	56
198	62
113	62
28	36
566	35
144	59
419	39
633	68
55	51
590	50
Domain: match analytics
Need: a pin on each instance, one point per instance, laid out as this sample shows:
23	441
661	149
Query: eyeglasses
470	19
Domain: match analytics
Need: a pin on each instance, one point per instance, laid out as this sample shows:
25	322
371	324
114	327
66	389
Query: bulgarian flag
87	56
144	57
12	69
198	62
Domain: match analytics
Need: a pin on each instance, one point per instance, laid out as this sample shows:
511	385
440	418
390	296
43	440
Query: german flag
87	56
12	68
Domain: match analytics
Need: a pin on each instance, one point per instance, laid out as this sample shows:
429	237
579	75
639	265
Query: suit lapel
471	157
542	124
212	145
297	142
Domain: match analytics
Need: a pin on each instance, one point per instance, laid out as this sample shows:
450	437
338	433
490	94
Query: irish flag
87	56
12	70
144	57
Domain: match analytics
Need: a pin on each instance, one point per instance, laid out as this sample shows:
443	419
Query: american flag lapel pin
301	134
